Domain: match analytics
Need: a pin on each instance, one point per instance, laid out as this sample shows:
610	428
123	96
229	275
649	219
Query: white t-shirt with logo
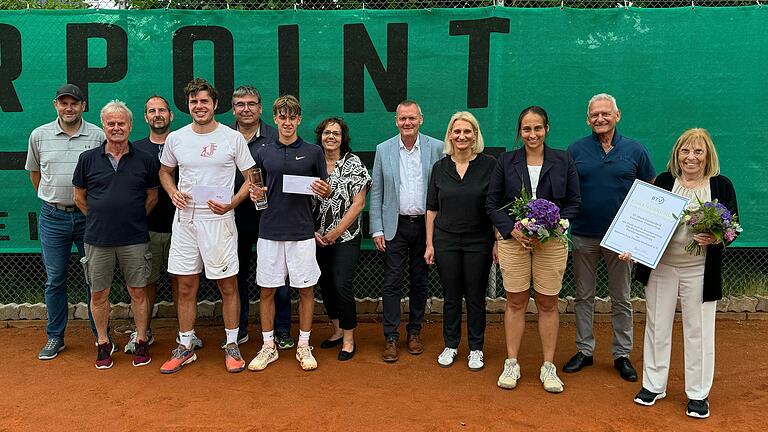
209	159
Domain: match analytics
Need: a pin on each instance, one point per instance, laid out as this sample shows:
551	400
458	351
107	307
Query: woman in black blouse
337	232
460	236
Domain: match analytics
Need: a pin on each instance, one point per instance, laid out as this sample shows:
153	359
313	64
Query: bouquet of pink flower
538	218
713	218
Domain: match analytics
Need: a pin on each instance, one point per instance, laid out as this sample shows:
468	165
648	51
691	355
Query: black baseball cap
70	90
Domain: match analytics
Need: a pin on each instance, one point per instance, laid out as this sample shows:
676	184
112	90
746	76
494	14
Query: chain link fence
358	4
22	277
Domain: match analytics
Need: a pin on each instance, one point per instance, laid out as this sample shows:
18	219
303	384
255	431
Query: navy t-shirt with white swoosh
288	216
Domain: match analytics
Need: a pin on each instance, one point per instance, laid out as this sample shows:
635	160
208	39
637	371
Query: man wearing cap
53	152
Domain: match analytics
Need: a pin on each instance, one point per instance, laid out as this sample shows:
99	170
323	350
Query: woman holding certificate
532	193
337	232
460	236
690	268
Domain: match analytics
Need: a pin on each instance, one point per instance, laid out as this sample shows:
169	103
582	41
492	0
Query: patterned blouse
348	178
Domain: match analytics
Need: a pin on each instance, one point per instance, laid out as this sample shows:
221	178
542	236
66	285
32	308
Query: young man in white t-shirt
207	154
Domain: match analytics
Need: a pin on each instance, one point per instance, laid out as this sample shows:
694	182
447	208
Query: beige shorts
276	260
159	245
209	244
545	264
99	265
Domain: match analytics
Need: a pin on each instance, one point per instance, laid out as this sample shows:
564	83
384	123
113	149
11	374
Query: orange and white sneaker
233	359
305	358
180	357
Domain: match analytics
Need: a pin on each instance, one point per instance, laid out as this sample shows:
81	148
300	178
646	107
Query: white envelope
202	194
298	184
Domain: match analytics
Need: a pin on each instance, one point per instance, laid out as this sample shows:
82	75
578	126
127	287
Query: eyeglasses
327	133
243	105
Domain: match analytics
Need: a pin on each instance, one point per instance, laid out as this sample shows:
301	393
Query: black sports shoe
647	397
698	408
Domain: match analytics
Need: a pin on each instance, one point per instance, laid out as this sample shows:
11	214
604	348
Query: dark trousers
246	239
464	263
337	265
407	247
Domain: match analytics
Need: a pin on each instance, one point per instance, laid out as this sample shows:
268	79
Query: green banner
670	70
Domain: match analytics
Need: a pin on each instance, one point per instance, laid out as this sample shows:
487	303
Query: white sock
231	335
185	338
269	338
304	337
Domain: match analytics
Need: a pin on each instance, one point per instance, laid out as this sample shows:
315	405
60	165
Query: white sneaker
265	356
510	375
446	358
197	343
475	360
549	378
305	358
130	347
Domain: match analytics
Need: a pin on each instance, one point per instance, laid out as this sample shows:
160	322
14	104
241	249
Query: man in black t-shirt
158	115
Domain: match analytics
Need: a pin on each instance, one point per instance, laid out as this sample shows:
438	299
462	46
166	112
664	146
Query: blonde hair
477	146
688	138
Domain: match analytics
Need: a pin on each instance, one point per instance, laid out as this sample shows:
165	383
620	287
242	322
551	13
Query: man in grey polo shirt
53	152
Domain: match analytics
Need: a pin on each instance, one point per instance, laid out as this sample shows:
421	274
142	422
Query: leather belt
68	209
411	218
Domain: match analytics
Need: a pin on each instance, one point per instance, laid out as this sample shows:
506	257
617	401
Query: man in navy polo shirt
246	107
286	245
608	163
115	187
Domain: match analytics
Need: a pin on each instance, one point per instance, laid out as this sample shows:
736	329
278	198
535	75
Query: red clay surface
414	394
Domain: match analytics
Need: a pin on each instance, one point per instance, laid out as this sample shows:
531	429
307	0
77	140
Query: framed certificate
645	223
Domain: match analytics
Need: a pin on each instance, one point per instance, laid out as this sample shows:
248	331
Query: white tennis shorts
209	244
276	260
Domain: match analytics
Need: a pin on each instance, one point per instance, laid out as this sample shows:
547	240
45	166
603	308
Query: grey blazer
385	189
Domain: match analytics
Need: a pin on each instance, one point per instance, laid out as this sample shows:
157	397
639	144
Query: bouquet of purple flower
538	218
711	217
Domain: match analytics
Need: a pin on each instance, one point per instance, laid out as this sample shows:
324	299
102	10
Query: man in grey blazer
397	207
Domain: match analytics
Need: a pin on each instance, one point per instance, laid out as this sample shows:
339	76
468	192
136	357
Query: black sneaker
698	408
283	340
647	397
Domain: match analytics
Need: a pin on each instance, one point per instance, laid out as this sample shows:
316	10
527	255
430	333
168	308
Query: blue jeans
283	309
58	231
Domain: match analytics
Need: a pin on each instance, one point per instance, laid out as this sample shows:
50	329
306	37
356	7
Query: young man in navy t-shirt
286	245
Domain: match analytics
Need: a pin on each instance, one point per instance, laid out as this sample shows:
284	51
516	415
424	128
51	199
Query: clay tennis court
364	394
